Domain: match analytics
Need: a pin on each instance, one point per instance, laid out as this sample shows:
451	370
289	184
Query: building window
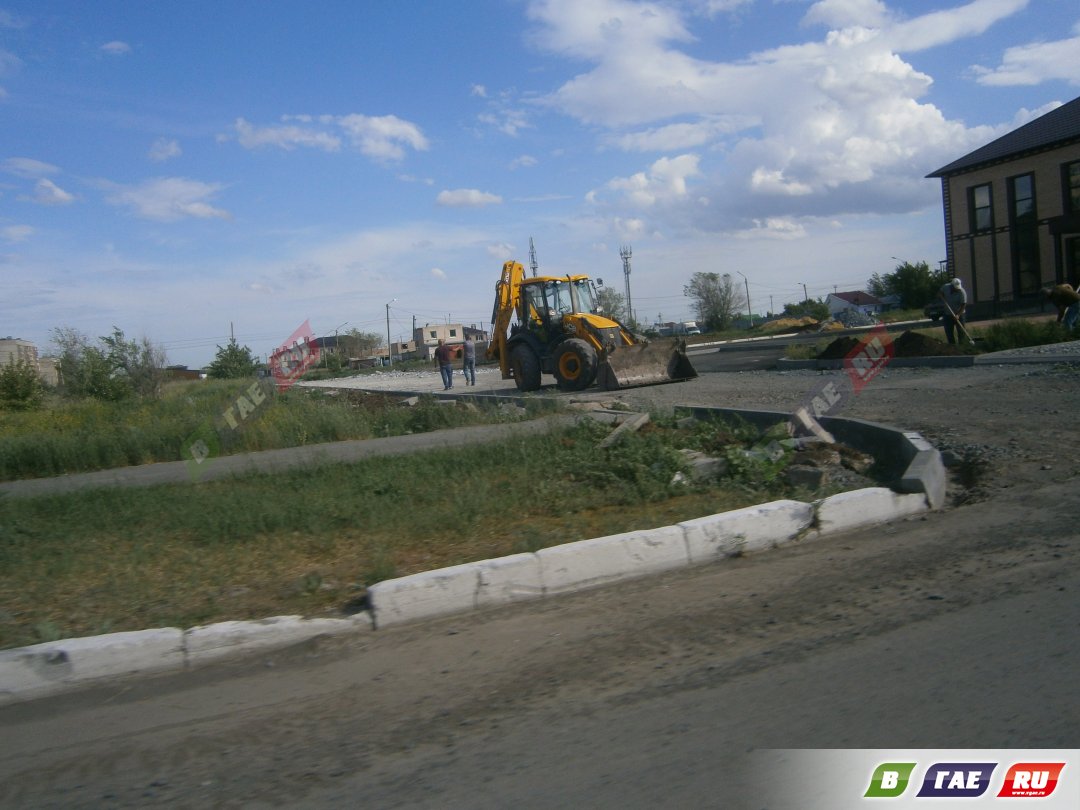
453	333
1071	184
979	204
433	333
1025	234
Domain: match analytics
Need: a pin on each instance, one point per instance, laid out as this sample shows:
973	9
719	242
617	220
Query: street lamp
749	311
389	347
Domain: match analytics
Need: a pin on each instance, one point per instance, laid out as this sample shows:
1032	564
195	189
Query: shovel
957	321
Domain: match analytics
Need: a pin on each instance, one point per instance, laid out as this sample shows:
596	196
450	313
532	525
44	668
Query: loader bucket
645	364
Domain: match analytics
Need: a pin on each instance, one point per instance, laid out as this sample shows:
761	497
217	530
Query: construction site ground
954	629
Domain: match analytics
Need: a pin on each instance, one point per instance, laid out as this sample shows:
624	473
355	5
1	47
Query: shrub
21	388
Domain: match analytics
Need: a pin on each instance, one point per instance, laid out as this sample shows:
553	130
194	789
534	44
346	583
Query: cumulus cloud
664	182
383	138
116	48
832	125
438	273
46	192
467	198
478	90
1035	63
28	167
167	199
164	149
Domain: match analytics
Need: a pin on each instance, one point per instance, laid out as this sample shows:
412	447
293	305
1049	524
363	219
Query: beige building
12	350
1012	213
427	337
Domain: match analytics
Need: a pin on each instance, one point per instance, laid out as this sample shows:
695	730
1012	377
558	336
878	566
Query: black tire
575	365
526	367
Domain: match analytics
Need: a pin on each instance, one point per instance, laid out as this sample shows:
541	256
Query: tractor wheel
526	367
575	364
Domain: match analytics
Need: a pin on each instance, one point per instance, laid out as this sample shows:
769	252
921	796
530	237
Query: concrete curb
45	669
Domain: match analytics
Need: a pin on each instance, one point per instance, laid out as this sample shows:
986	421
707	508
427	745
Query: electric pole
625	254
532	257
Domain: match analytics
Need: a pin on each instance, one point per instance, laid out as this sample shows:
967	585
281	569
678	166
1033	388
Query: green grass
1018	333
82	436
309	541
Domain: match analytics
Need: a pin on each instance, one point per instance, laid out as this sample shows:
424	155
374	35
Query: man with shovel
955	299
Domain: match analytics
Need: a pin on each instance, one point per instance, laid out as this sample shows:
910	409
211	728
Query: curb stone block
607	559
423	595
753	528
55	666
213	642
865	507
509	579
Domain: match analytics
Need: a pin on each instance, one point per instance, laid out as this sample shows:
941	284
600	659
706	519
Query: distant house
1012	213
859	301
12	350
426	338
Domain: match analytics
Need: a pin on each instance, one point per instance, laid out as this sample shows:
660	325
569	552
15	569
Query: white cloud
167	199
28	167
467	198
825	127
164	149
383	138
507	121
523	161
438	273
682	136
664	182
285	136
46	192
1035	63
942	27
478	90
501	251
783	228
116	48
847	13
16	233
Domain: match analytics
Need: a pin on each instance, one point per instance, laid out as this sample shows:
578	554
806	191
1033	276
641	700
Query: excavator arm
507	300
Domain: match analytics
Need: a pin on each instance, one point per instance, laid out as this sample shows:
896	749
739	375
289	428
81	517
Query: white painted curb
865	507
588	563
744	531
206	644
56	666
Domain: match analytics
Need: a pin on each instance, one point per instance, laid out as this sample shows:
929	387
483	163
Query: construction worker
955	299
1067	301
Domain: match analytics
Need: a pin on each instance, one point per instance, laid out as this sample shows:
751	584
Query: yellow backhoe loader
560	330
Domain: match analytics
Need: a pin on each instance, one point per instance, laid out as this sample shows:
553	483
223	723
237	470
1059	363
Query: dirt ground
409	715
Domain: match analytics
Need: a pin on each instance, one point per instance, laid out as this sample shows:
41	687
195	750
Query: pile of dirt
912	344
839	348
909	344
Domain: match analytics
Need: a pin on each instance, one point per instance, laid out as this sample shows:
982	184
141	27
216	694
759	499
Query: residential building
859	301
12	350
1012	213
427	337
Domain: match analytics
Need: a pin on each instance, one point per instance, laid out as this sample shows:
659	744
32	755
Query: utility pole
625	254
532	257
749	311
389	345
805	297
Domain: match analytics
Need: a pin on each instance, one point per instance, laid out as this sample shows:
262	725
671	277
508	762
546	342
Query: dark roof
1058	126
858	298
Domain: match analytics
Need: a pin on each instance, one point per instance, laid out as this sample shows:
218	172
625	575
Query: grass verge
309	541
88	435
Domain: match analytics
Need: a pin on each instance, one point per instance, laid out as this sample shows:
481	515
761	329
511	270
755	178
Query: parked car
935	310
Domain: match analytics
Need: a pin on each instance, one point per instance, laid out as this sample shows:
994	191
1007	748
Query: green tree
612	303
717	300
140	362
21	389
811	308
86	370
232	361
916	284
355	343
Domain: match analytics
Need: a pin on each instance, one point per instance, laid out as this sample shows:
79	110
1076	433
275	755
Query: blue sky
176	168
